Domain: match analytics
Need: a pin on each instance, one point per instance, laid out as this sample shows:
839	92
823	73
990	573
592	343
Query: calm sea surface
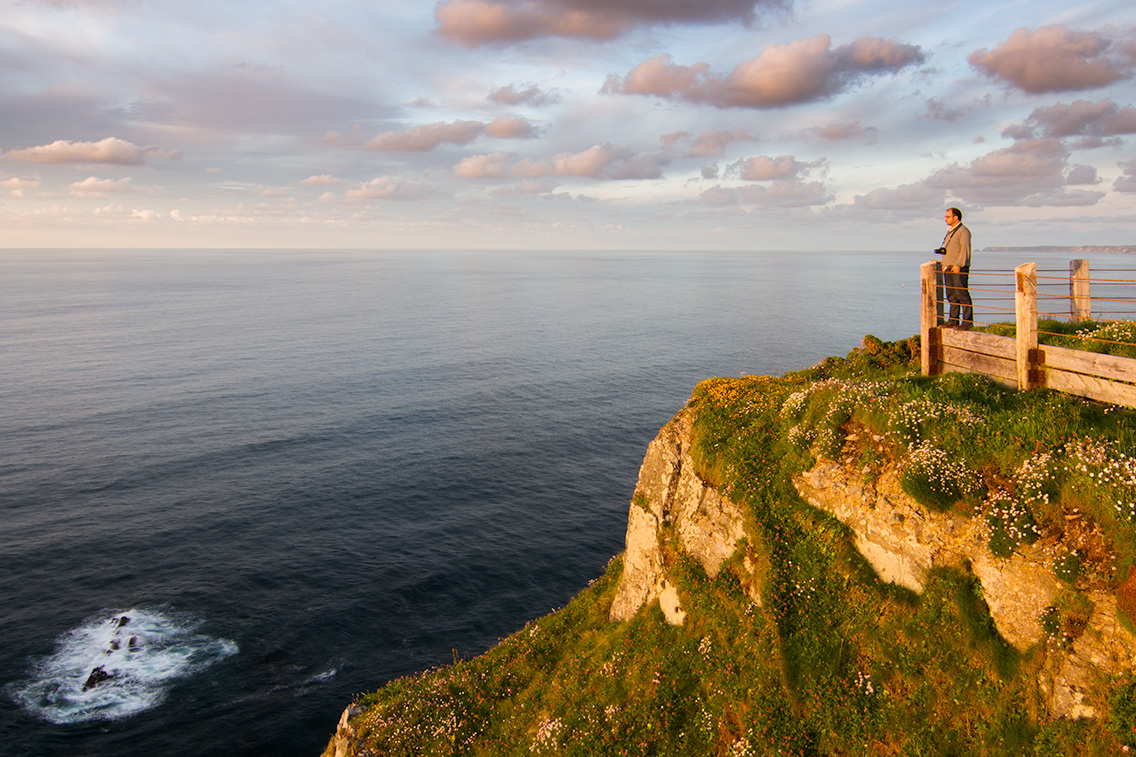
237	488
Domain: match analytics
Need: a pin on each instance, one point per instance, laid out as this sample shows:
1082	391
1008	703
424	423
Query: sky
565	124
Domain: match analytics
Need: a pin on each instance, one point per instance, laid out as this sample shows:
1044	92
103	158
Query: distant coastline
1075	248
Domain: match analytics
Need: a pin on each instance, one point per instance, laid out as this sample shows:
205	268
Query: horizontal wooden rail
1018	361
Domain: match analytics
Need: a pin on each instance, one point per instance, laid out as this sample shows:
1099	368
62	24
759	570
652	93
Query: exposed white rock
670	493
902	541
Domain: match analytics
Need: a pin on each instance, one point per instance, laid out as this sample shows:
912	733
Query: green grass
830	661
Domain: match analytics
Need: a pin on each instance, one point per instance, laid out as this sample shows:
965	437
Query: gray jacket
957	243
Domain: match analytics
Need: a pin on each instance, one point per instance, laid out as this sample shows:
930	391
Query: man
956	270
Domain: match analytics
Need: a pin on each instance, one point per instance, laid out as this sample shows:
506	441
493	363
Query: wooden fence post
940	294
1080	301
928	318
1025	301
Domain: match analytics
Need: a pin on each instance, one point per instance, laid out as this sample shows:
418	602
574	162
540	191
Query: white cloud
92	187
111	151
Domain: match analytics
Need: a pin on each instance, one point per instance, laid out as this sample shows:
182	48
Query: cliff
902	540
787	588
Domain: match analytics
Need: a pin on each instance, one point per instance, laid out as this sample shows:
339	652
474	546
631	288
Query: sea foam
117	665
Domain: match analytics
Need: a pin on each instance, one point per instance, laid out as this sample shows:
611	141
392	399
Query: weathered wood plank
1009	383
1092	363
1094	388
980	341
928	321
1025	302
977	362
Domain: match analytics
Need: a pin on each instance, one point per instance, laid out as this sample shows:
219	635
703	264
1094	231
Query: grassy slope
831	661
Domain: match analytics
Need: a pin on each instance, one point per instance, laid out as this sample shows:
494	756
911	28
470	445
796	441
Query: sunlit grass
795	646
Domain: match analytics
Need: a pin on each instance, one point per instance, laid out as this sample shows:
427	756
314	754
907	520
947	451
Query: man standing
956	270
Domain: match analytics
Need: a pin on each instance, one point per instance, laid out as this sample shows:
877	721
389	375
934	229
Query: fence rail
1019	361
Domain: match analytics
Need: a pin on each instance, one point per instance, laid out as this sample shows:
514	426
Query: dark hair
957	212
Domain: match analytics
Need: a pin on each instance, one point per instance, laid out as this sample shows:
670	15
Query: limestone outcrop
902	540
670	496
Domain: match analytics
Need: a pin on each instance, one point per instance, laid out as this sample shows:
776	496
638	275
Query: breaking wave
117	666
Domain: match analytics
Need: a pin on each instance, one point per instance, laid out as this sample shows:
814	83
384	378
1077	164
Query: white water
117	665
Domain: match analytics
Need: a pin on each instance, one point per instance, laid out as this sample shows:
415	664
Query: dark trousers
958	295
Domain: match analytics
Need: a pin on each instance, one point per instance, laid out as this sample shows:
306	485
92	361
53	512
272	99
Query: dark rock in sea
97	676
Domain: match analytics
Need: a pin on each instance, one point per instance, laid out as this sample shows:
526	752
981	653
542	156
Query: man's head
952	216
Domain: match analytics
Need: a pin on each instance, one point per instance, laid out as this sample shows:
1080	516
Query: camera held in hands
941	251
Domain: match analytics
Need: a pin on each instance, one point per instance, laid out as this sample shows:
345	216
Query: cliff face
669	495
902	541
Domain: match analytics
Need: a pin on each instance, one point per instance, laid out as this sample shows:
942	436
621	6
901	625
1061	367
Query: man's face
949	217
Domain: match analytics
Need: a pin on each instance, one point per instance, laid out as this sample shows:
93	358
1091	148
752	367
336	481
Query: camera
941	251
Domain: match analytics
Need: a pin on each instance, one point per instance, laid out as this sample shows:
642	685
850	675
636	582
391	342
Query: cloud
323	180
597	162
482	22
1081	118
765	168
1031	172
905	196
431	136
1127	181
842	132
798	72
937	110
18	185
705	145
1056	59
505	127
427	137
532	95
389	188
112	151
92	187
785	194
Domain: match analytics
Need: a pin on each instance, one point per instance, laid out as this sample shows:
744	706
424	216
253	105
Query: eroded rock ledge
670	494
901	539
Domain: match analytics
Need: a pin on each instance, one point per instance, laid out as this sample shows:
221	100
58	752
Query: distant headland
1075	248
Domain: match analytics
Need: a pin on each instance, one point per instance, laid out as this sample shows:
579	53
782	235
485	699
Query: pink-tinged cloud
322	180
1080	118
481	22
708	144
843	132
783	194
765	168
798	72
92	187
905	196
597	162
1127	181
504	127
16	182
111	151
531	95
937	110
427	137
1056	59
1031	172
389	188
431	136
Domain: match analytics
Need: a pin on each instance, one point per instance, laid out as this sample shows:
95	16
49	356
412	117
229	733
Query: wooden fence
1019	361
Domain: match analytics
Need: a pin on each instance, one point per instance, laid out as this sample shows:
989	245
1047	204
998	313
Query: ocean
238	488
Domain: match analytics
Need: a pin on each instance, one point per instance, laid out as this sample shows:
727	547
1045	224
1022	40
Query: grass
830	661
